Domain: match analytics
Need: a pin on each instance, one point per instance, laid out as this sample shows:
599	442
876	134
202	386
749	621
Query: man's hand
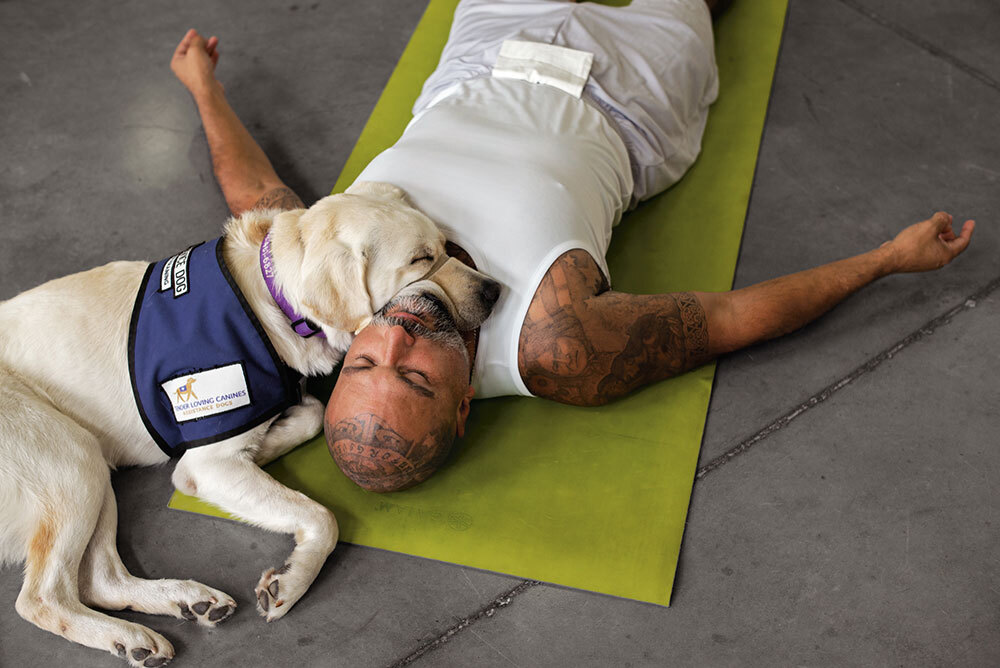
243	171
194	62
927	245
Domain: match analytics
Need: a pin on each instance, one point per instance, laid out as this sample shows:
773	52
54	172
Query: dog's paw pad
207	613
142	648
144	656
263	602
219	614
267	592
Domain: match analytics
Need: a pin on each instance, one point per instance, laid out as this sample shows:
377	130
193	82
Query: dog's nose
489	292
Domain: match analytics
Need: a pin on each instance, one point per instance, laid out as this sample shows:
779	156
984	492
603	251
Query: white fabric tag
181	273
167	275
204	393
566	69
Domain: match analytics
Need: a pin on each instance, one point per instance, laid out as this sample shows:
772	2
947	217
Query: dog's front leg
224	474
104	581
295	426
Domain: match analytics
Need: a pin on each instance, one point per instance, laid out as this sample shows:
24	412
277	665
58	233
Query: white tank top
516	174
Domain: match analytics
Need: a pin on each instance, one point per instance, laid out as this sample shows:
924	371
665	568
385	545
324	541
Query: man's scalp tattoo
380	459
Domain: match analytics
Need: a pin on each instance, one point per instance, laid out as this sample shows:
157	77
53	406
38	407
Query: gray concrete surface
862	533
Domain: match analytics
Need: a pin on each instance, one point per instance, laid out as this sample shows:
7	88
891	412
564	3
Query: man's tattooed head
380	459
402	397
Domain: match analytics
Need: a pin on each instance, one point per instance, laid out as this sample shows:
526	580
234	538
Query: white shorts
653	75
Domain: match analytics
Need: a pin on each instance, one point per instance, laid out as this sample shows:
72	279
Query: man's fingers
211	47
185	42
961	242
941	220
967	228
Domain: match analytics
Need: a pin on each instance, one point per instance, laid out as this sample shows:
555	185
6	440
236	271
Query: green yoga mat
592	498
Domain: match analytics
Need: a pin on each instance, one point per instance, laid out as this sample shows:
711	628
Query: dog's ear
335	287
376	189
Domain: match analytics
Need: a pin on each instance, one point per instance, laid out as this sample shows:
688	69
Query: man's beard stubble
442	329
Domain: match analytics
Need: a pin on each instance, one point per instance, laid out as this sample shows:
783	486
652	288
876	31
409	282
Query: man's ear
376	189
335	289
463	412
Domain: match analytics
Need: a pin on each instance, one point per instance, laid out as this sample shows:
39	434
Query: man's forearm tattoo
279	198
378	458
581	343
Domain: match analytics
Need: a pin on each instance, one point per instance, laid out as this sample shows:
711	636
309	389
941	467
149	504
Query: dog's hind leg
225	475
106	583
62	475
295	426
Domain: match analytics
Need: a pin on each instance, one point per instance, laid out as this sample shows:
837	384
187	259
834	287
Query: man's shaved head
380	459
402	397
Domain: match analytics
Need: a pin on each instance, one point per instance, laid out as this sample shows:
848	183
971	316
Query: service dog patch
204	393
174	274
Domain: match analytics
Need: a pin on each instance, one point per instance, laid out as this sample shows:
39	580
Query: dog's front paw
205	605
276	592
144	648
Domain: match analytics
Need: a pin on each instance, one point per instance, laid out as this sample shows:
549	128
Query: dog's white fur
67	414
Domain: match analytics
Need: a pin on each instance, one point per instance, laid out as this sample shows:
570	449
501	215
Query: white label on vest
181	273
167	275
205	393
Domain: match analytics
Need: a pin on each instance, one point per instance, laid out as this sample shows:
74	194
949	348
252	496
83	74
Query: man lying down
543	122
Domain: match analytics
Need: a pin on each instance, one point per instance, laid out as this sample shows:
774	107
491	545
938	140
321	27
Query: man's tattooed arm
584	344
281	197
581	343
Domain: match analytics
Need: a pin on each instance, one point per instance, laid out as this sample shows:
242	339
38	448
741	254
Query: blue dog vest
201	366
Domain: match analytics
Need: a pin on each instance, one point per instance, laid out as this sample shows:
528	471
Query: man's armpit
281	197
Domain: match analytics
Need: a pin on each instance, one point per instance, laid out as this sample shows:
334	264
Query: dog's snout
489	293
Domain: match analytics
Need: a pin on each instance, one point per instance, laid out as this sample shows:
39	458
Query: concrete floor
860	532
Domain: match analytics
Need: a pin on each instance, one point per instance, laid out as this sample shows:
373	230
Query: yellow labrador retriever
83	388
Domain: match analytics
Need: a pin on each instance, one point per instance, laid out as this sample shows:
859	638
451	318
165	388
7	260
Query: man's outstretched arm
584	344
244	173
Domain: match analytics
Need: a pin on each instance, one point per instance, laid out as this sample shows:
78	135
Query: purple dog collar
301	325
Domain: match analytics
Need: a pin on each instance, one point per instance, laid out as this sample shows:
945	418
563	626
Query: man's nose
397	342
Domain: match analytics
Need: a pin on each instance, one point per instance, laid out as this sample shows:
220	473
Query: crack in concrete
922	332
501	601
924	44
780	423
